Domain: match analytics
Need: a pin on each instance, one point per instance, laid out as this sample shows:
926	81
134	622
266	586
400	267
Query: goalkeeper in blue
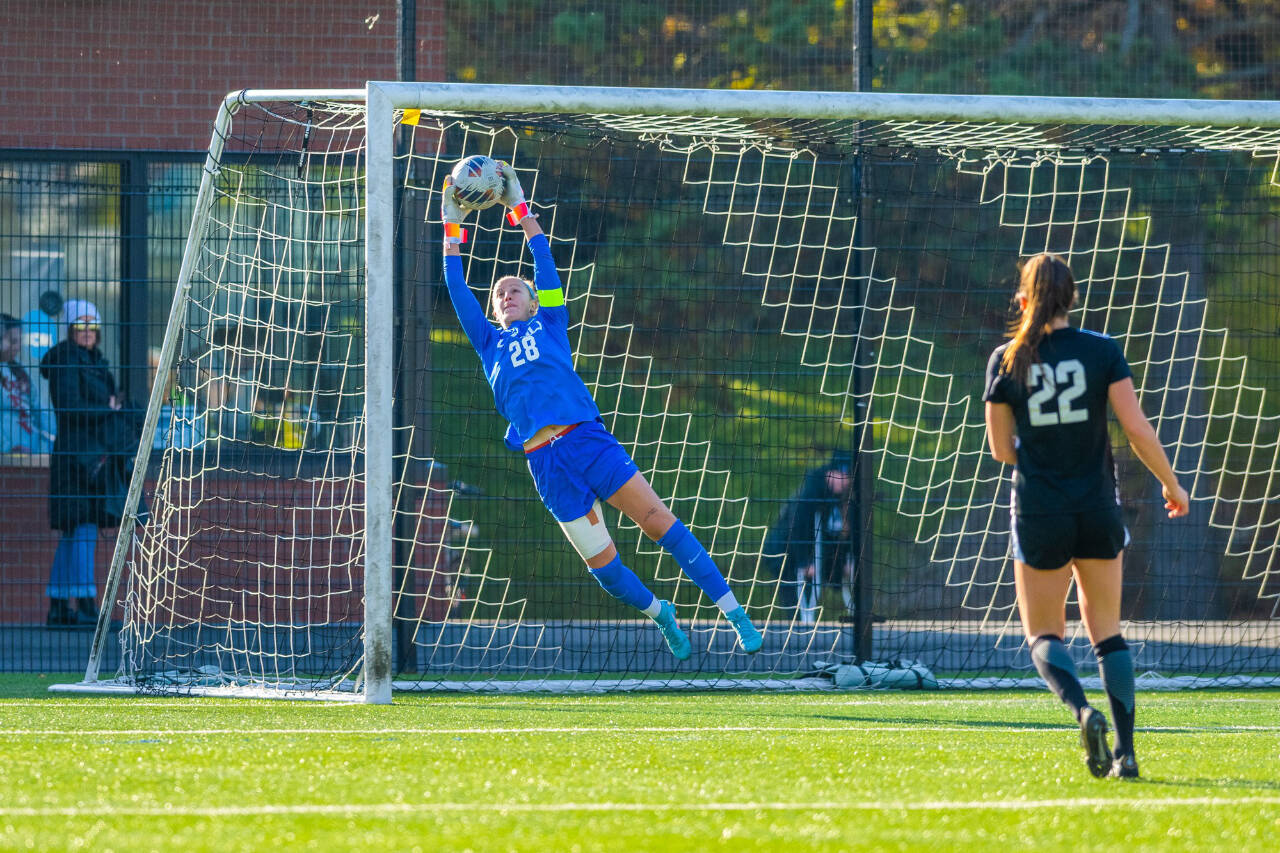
574	460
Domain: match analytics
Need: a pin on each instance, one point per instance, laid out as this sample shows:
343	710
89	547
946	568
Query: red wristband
518	213
454	233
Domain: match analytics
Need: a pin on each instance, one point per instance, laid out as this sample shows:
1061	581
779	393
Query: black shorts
1052	541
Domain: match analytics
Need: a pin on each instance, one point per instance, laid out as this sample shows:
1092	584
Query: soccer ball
479	182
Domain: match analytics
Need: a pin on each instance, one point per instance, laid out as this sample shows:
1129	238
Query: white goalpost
757	280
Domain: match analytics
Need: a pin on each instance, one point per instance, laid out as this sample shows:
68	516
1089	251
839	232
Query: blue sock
695	560
622	584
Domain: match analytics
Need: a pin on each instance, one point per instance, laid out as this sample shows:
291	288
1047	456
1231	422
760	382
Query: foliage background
1131	48
925	233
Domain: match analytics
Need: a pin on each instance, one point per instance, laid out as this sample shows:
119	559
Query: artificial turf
644	771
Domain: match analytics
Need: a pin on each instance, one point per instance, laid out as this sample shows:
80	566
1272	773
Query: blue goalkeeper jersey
528	364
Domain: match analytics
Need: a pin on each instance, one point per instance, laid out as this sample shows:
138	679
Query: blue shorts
1053	541
580	466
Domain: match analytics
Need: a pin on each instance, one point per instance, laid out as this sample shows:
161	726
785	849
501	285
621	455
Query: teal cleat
677	640
748	636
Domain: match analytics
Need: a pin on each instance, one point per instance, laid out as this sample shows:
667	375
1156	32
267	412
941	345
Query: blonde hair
493	291
1050	291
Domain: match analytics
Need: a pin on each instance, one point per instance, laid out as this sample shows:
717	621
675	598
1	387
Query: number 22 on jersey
1055	389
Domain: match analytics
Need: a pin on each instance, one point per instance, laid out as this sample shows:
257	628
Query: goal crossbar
853	106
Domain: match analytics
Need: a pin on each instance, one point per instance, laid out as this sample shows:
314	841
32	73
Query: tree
1192	48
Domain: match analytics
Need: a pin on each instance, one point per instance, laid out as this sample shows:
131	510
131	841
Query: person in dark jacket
84	399
810	541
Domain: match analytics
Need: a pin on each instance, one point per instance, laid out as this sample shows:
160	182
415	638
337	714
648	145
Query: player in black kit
1046	397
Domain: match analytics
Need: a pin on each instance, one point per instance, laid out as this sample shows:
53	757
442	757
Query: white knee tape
588	537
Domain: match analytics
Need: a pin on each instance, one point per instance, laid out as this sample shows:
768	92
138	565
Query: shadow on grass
1209	784
976	725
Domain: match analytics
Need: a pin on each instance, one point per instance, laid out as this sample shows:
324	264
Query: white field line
592	730
1019	697
524	699
105	811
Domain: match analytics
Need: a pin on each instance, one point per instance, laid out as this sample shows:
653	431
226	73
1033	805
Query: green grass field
653	771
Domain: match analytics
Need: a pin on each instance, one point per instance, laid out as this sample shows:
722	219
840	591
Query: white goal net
763	287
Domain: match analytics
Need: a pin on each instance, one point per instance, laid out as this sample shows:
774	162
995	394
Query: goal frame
383	99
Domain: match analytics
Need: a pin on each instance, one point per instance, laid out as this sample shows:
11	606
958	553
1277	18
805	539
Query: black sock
1115	665
1058	670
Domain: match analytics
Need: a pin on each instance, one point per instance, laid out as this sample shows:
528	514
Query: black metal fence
80	232
109	227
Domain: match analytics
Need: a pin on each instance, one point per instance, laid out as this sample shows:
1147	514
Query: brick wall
256	541
148	74
27	545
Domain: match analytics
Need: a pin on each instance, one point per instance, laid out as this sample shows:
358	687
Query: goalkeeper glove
452	213
513	195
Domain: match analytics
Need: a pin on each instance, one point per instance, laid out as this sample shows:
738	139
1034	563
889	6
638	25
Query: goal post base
595	686
122	687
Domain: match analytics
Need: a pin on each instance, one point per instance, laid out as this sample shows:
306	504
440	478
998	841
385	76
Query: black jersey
1064	450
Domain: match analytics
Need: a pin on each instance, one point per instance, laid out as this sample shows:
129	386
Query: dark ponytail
1050	291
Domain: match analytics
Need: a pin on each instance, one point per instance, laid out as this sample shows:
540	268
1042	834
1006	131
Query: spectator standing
84	397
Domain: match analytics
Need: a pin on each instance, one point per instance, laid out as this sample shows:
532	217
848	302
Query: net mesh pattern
747	297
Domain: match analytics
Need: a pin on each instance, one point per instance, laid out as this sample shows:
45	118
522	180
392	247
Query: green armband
551	298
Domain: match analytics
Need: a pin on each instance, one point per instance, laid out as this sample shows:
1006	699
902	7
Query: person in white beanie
84	397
